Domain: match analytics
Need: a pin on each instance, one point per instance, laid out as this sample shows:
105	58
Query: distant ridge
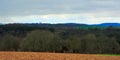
62	24
1	24
108	24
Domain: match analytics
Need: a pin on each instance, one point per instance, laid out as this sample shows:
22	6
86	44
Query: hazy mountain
108	24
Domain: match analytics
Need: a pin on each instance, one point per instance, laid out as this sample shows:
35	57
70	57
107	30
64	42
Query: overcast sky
60	11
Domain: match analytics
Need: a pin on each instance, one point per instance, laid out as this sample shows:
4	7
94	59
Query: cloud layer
24	10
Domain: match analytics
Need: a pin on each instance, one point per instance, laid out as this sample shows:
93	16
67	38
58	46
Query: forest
60	40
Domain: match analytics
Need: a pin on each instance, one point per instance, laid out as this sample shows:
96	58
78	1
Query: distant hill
1	24
65	25
107	24
60	25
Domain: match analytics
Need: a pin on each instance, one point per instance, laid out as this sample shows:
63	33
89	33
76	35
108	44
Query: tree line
91	41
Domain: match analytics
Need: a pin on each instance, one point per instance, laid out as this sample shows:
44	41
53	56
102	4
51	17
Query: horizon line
60	23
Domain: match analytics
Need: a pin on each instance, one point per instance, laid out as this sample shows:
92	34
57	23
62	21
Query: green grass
109	54
94	27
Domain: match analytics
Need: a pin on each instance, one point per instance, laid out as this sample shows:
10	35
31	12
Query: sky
60	11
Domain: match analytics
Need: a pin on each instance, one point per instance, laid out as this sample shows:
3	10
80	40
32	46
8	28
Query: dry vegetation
52	56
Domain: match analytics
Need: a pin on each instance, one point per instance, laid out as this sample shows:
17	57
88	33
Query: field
52	56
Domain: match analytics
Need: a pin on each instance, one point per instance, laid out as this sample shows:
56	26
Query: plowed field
52	56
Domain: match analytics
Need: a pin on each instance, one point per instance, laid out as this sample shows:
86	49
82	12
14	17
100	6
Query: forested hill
45	25
61	25
63	38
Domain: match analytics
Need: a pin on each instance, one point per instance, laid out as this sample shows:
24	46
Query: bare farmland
52	56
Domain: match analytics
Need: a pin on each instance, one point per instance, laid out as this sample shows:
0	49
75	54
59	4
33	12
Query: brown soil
52	56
